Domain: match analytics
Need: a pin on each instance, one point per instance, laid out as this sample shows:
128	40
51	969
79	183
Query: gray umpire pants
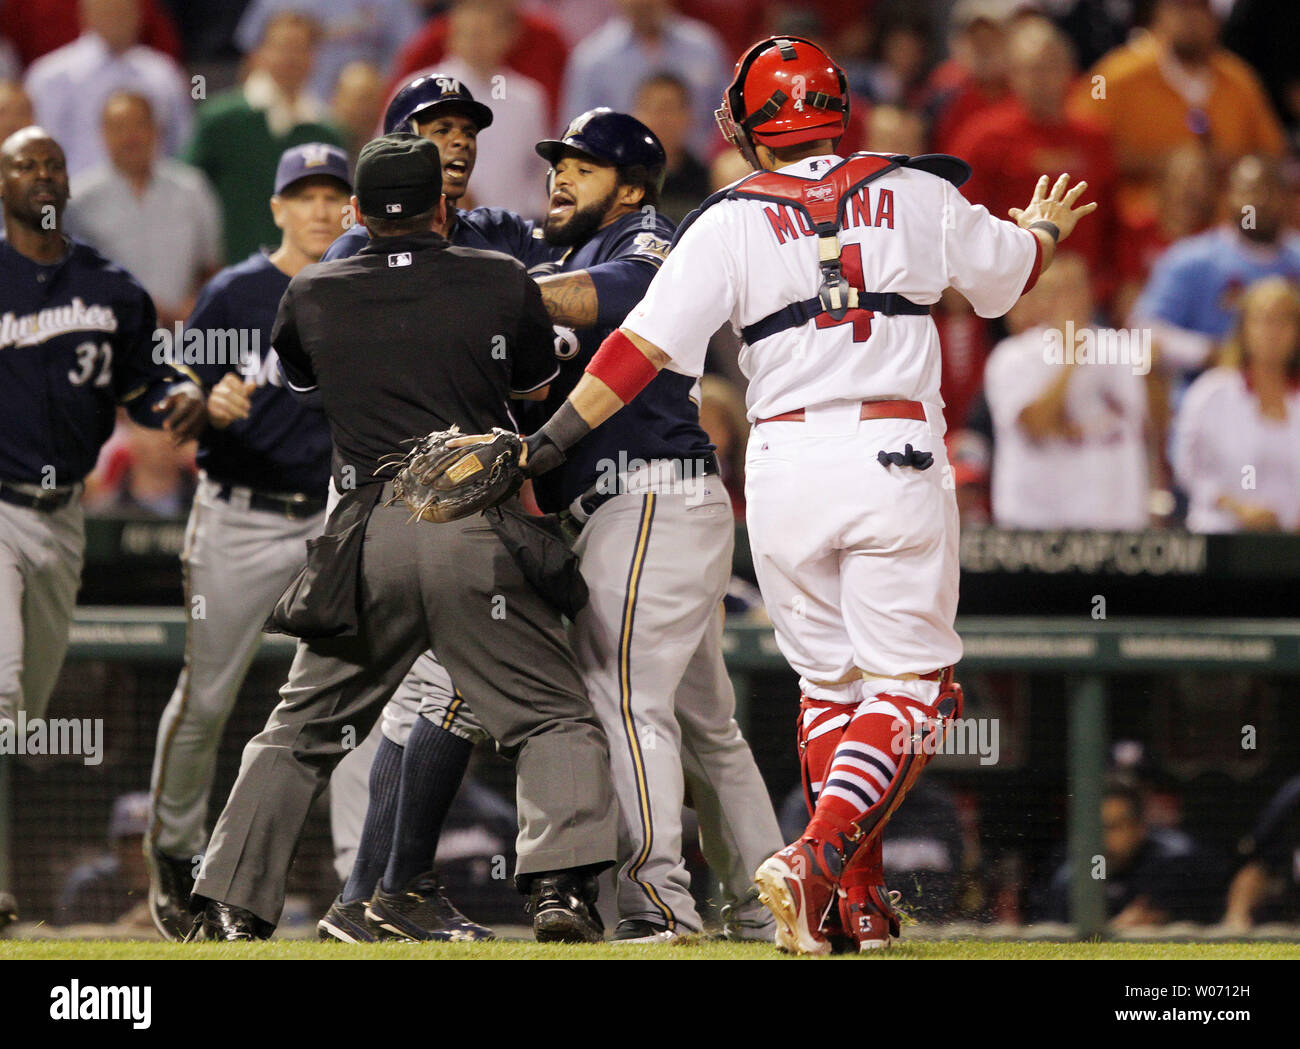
40	571
649	644
453	588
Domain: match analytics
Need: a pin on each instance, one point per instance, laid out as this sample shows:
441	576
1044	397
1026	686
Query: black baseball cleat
563	907
170	883
347	922
422	912
226	922
8	909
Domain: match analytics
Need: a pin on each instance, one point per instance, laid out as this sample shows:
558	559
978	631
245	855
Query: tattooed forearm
570	298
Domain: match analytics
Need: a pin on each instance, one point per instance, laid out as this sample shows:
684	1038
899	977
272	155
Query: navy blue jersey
76	340
283	445
489	229
662	422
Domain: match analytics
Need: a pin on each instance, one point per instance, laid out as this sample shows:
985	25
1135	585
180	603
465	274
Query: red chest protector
824	202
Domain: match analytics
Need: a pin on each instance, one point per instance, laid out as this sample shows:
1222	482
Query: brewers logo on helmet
417	102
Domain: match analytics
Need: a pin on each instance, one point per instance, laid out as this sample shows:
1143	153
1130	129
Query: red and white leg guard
880	753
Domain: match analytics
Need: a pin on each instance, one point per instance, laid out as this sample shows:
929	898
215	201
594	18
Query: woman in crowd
1237	433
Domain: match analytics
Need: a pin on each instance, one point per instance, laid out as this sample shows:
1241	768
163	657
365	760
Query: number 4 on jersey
851	265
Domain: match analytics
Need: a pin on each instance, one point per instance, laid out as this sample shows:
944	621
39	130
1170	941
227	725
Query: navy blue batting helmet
423	94
610	137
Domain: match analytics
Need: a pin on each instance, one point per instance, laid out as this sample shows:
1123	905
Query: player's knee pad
821	726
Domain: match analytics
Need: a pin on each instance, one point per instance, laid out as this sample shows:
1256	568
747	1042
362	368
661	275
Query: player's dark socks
432	768
377	831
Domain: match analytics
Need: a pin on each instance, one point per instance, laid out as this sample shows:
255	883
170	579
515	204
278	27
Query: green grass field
703	950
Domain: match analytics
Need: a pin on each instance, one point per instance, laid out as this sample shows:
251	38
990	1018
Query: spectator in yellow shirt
1171	86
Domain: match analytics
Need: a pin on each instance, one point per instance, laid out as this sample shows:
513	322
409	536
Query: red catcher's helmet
786	90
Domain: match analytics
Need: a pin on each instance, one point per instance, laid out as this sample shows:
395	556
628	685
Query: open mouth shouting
562	205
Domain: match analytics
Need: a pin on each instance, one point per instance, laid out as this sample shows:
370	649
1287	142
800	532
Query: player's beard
580	225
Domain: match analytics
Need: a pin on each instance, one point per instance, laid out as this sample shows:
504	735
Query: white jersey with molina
907	232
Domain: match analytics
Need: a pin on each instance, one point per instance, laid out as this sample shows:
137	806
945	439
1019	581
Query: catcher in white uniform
827	266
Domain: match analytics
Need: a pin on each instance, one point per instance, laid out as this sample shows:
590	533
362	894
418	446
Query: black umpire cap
398	176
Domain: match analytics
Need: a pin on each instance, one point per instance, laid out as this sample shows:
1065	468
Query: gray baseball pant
40	571
649	644
237	561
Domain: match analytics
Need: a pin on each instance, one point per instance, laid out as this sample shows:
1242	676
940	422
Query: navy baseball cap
398	176
309	160
419	100
609	137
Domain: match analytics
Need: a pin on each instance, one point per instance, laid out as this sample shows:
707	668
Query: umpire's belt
33	497
655	476
289	504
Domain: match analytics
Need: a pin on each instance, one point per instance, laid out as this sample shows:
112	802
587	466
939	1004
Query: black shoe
8	909
563	907
347	922
422	912
638	930
170	885
223	921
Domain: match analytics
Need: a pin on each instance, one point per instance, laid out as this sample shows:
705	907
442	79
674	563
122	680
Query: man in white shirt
70	85
1069	447
157	218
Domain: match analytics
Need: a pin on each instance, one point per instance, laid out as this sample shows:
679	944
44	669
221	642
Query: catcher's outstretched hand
1056	207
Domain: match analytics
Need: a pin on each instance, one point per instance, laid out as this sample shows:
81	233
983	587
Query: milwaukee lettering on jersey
791	222
34	328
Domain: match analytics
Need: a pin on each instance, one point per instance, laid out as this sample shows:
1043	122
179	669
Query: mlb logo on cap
393	209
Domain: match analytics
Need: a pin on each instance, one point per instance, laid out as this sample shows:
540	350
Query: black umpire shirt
408	336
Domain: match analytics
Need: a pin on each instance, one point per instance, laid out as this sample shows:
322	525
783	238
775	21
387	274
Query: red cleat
797	887
869	916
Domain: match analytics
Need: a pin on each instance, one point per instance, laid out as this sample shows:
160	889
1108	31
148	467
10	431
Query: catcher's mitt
443	483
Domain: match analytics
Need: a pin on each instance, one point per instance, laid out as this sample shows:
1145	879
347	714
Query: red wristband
621	366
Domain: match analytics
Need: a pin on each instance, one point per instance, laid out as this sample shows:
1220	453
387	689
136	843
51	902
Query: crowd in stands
1152	378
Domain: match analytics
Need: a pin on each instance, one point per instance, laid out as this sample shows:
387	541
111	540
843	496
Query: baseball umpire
77	335
414	335
265	461
364	794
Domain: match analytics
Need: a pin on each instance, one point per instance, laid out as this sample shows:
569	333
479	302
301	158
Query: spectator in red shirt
538	51
37	28
974	79
1029	135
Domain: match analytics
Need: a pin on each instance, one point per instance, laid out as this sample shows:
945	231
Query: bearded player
827	268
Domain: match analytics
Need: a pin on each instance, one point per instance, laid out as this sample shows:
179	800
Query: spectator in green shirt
240	134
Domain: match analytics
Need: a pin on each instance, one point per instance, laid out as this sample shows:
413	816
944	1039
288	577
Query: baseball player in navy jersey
826	266
76	340
645	491
265	465
649	641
